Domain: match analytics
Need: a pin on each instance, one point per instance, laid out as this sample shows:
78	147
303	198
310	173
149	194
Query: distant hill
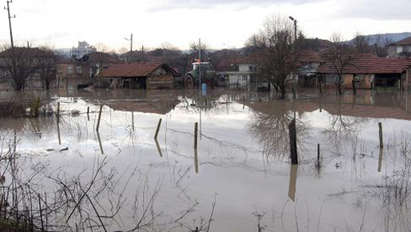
384	39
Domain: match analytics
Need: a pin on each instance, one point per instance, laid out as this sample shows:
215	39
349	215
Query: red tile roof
101	57
369	64
130	70
309	56
404	42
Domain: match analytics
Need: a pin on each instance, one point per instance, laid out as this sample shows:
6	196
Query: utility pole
10	17
131	42
131	46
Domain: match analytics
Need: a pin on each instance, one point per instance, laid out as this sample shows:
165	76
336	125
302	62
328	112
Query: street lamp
295	47
295	26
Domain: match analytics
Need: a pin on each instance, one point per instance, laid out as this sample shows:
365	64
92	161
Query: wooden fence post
381	137
58	122
58	111
293	142
318	154
195	135
158	128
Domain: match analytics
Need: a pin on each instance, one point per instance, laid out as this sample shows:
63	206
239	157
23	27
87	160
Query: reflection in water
132	121
99	142
270	126
196	160
231	165
158	148
341	127
292	187
380	159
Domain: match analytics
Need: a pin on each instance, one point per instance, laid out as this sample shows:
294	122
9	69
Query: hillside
384	39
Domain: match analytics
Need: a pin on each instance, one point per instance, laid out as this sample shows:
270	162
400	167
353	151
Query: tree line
21	63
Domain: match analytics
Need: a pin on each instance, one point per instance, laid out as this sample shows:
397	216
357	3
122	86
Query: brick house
370	71
139	76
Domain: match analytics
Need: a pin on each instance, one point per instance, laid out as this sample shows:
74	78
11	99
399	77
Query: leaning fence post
380	159
293	142
158	129
380	132
99	118
58	122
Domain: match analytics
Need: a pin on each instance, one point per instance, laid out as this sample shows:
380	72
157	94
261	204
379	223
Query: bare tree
381	46
195	47
279	59
270	128
339	56
19	63
47	67
361	44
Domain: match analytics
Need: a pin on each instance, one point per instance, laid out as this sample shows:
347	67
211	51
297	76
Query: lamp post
295	50
295	26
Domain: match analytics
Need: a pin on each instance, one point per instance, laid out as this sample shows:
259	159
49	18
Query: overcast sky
221	23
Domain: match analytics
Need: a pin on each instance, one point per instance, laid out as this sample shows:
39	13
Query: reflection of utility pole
10	17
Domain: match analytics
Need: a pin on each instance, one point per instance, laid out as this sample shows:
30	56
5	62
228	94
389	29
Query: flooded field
238	179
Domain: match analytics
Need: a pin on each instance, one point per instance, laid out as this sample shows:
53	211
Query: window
78	69
244	78
69	69
399	49
330	79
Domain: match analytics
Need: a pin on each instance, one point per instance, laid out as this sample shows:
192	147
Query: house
139	76
369	71
238	72
72	72
401	48
308	63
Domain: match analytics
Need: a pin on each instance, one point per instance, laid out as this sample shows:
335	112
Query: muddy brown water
241	164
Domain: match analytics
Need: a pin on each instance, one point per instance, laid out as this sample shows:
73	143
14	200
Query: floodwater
240	177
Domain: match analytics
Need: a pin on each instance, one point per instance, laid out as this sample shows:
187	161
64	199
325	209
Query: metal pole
199	64
295	30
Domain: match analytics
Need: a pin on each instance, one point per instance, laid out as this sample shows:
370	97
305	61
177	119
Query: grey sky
221	23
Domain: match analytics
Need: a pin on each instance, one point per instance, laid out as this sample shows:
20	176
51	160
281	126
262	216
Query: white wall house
400	48
241	77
